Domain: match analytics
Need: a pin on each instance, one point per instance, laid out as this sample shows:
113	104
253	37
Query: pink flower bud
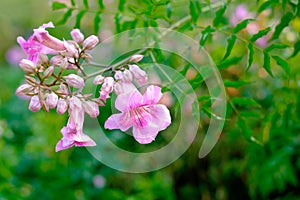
77	36
27	65
23	89
62	106
71	49
49	71
98	80
35	104
118	88
74	81
43	58
91	108
139	74
108	84
118	75
136	58
56	60
51	100
90	42
63	89
127	76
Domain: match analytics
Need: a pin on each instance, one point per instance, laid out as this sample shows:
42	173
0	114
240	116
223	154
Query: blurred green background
235	169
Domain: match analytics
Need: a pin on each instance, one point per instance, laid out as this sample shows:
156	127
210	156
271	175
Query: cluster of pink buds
55	78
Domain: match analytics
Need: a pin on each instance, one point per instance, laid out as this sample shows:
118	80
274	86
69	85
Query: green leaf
267	5
121	5
193	11
230	43
235	84
276	46
229	62
219	16
246	131
169	10
58	6
250	55
73	3
283	64
205	34
250	114
260	34
65	18
284	22
118	18
97	21
296	48
240	26
243	101
101	4
195	110
86	4
78	18
267	63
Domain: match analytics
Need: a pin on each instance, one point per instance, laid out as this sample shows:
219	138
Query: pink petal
82	139
152	95
118	121
63	144
135	100
160	116
145	135
126	101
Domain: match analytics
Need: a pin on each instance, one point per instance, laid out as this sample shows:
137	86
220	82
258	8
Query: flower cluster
55	78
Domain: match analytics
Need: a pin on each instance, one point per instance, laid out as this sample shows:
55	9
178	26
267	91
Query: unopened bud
91	108
74	81
63	89
139	74
43	58
108	85
136	58
30	80
90	42
71	49
77	36
51	100
62	106
118	88
24	89
127	76
49	71
35	104
98	80
118	75
27	65
56	60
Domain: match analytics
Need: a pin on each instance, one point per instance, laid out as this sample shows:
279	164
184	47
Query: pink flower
35	104
90	42
62	106
77	36
106	88
73	133
142	112
51	100
74	81
139	74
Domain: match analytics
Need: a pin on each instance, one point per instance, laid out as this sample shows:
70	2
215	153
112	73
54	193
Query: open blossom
107	88
73	133
142	112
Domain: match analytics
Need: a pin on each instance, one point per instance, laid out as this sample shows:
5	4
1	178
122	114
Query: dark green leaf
284	22
118	18
219	16
240	26
246	131
169	10
73	3
250	55
230	43
86	4
250	114
203	98
193	11
185	69
121	5
128	25
267	63
195	110
243	101
296	48
235	84
78	18
282	63
58	6
97	21
101	4
267	5
260	34
66	16
276	46
205	34
198	6
229	62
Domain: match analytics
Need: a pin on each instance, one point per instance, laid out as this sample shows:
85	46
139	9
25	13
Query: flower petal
63	144
160	116
152	95
128	100
82	139
120	121
145	135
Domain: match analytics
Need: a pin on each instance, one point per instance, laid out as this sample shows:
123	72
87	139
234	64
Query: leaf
230	43
276	46
228	62
284	22
246	131
78	18
296	48
260	34
97	21
86	4
235	84
240	26
243	101
57	6
267	63
250	55
66	16
118	18
101	5
169	10
205	34
121	5
267	5
193	11
195	110
283	64
73	3
219	16
250	114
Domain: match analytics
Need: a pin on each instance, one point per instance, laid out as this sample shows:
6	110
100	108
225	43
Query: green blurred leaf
169	10
121	5
284	22
193	11
86	4
235	84
229	62
101	4
118	18
250	114
260	34
58	6
283	64
240	26
250	55
65	18
243	101
230	43
266	5
195	110
276	46
267	63
73	3
246	131
97	21
78	18
205	34
219	16
296	49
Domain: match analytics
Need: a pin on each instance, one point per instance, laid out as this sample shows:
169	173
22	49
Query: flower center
140	116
